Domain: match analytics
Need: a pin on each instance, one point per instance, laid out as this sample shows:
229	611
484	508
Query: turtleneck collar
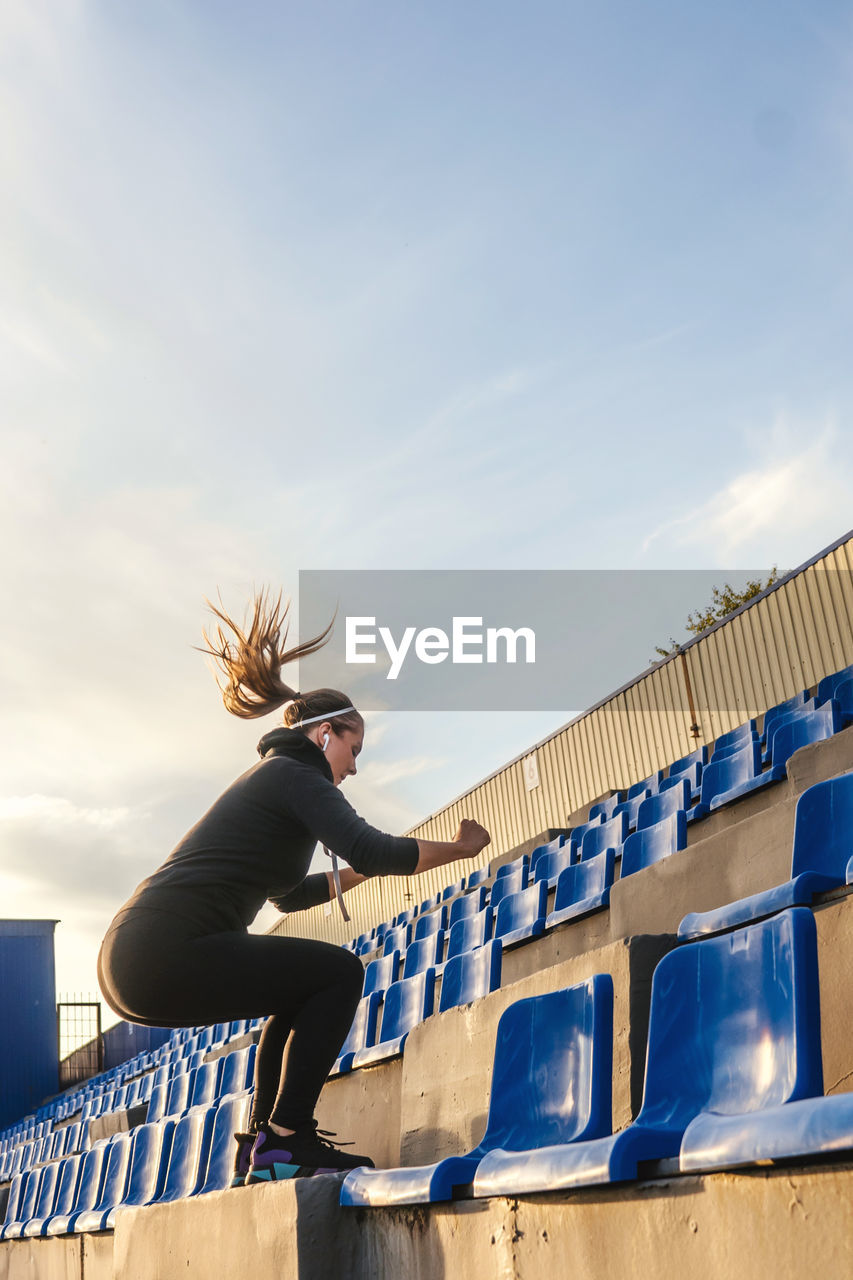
290	742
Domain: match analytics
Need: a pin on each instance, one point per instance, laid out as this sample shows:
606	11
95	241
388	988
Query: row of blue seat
733	1077
154	1164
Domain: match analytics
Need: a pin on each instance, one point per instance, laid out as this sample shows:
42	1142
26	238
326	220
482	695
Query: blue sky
389	286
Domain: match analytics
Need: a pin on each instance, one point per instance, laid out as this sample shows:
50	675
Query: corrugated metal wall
785	640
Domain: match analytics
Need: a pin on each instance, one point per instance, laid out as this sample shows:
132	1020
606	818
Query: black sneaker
242	1158
301	1154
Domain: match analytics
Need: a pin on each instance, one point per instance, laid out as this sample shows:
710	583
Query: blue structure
30	1053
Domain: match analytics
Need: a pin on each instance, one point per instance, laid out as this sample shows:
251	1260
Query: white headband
329	715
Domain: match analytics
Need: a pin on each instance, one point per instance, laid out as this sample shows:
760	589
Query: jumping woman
178	953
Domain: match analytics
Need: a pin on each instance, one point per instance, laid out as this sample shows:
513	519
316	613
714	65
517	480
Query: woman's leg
310	989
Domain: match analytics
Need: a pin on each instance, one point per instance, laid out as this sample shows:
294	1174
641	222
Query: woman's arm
469	840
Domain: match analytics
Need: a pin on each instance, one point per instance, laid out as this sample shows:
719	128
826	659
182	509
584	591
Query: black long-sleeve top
256	842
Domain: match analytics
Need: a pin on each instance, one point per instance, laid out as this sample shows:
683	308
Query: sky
398	286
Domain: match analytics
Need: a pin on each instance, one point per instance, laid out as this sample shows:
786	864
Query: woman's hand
472	837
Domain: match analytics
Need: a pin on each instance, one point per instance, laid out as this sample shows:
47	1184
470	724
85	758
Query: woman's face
341	750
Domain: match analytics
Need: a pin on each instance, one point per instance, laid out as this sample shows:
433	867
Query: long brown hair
249	658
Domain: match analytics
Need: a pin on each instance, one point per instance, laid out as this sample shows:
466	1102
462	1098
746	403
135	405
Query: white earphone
325	740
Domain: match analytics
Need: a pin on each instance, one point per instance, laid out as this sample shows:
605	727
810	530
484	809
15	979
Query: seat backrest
470	932
429	924
656	808
823	828
115	1175
654	843
148	1158
692	775
471	975
177	1099
91	1177
397	939
469	905
513	882
551	1080
380	973
513	868
238	1072
69	1177
230	1117
608	835
543	850
521	910
549	867
827	686
723	775
843	695
205	1082
478	876
699	756
187	1162
362	1033
44	1205
632	807
585	880
453	890
406	1004
423	953
722	753
604	808
576	834
16	1190
742	733
649	784
800	730
29	1196
405	917
774	714
734	1024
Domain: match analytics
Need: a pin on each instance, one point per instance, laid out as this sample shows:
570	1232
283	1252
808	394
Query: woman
179	953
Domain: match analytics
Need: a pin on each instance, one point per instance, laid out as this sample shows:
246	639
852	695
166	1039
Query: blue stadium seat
89	1189
741	734
184	1172
685	763
665	803
230	1117
649	784
604	808
552	865
722	777
424	954
632	807
429	904
453	890
25	1204
470	932
407	1003
512	882
405	917
430	924
238	1071
781	709
608	835
723	753
583	889
204	1084
521	916
827	686
380	973
372	946
396	939
692	775
150	1145
47	1181
116	1171
654	843
69	1176
844	697
733	1029
550	1083
177	1099
469	905
362	1033
471	975
543	850
823	821
785	717
576	835
477	877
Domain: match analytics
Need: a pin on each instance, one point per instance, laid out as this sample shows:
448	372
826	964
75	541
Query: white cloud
780	511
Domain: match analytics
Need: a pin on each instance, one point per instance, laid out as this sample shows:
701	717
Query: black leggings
156	969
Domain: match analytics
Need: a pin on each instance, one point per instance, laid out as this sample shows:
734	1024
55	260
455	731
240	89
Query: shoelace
323	1136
